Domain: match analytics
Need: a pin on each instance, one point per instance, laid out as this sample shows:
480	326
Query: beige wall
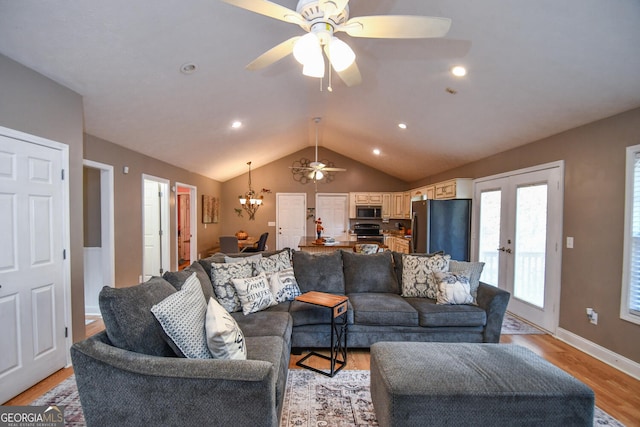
278	178
594	181
128	204
91	208
31	103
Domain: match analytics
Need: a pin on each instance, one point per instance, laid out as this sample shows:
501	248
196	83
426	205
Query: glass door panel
489	237
530	244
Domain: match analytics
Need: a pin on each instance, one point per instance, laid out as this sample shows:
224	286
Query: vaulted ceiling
535	68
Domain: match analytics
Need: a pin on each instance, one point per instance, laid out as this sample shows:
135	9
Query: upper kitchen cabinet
401	205
367	198
458	188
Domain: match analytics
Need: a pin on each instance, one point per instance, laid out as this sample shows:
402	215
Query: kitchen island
308	244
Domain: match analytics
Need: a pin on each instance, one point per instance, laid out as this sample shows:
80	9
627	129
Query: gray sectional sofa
130	375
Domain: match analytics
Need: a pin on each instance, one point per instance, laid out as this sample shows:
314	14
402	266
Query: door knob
501	249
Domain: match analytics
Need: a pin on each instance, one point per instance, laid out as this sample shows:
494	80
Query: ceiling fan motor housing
311	11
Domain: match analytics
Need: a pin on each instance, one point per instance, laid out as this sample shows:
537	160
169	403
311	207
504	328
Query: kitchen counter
308	244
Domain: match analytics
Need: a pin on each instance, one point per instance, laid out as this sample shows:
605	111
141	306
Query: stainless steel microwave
368	212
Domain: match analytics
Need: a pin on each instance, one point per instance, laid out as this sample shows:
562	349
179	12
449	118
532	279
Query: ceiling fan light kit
321	18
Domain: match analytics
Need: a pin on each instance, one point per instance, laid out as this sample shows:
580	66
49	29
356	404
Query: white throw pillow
284	286
182	317
225	340
254	293
453	289
417	274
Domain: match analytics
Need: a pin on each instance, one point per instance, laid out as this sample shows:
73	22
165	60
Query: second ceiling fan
321	19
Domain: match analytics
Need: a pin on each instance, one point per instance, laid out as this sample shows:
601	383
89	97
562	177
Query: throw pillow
252	258
182	317
178	278
453	288
221	275
397	262
284	286
225	339
471	269
276	262
254	293
417	277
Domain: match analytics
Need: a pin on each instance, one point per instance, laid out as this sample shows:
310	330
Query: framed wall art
210	209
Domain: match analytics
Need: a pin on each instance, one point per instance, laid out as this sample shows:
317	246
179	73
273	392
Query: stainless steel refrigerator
441	225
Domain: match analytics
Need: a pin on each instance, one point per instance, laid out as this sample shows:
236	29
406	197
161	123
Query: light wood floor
616	393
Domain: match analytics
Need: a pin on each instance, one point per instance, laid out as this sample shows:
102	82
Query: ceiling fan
321	19
316	170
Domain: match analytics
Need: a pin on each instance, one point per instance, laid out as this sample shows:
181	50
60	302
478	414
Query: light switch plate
569	242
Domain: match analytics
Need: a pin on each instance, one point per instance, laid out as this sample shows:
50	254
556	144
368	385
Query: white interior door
518	224
155	226
32	266
333	208
291	213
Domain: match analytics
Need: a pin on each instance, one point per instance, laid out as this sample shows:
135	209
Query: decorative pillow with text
254	293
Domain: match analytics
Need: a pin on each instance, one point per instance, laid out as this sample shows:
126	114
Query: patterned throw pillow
471	269
273	263
225	339
182	318
221	275
284	286
453	288
254	293
417	275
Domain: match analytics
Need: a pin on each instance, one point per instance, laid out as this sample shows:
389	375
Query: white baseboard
605	355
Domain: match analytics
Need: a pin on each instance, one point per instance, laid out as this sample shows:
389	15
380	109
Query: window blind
634	273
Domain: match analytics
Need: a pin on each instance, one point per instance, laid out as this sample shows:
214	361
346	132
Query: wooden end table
338	306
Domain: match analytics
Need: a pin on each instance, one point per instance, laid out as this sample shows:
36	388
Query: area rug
310	400
511	325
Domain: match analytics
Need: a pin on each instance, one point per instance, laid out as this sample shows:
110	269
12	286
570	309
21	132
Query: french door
518	231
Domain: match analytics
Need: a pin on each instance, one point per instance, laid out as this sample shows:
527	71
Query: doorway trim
106	212
193	205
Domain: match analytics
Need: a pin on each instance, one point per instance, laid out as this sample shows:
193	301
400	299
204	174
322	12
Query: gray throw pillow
369	273
322	272
177	278
128	320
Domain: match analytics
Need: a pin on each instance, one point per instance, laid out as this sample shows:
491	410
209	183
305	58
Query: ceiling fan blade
302	168
396	27
267	8
274	54
333	170
351	76
332	7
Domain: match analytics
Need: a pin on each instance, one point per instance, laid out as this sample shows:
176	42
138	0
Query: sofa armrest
494	301
120	387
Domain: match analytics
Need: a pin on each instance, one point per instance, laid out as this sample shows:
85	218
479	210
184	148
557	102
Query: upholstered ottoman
456	384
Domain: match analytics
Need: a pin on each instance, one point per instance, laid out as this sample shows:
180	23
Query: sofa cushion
453	288
177	278
225	339
182	317
431	314
471	269
254	293
265	323
128	320
417	275
382	309
321	272
369	273
304	313
221	275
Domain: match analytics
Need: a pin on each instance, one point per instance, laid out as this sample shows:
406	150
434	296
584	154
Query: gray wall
594	181
32	103
91	208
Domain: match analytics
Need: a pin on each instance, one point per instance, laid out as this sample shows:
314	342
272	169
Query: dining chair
260	246
229	244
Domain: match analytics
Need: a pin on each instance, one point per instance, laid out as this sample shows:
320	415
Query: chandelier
249	201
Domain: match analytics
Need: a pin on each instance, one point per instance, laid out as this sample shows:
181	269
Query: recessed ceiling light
188	68
459	71
402	125
237	124
376	151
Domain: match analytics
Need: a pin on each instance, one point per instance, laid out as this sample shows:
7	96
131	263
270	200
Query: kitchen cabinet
386	206
367	198
397	206
458	188
397	244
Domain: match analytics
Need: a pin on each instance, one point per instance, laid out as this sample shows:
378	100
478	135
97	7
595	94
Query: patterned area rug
311	400
511	325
